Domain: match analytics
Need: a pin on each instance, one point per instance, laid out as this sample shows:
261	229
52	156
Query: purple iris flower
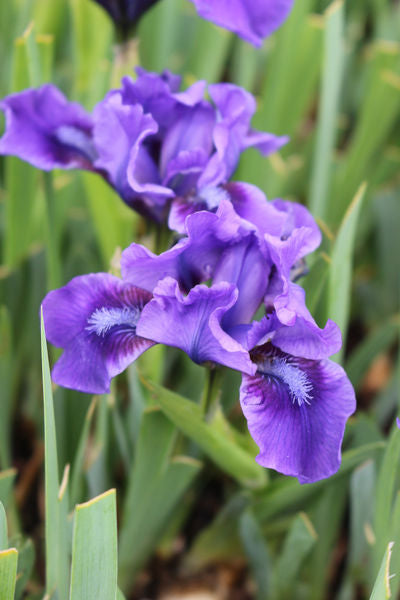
94	319
151	142
193	323
252	20
296	407
126	13
46	130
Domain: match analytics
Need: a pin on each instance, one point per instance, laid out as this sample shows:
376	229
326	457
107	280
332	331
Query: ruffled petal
296	412
93	318
191	261
46	130
252	20
193	323
232	134
251	204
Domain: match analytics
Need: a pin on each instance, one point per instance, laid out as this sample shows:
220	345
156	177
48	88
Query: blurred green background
193	507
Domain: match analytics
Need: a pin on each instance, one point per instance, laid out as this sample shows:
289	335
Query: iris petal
94	319
296	412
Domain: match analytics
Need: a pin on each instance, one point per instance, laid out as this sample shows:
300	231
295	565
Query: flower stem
211	391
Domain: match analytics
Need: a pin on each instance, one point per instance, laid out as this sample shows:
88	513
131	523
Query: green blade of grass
381	590
299	541
332	74
114	222
5	377
155	485
362	489
388	480
150	515
286	495
56	554
7	479
257	553
340	276
94	549
26	561
3	528
77	470
8	573
20	178
220	540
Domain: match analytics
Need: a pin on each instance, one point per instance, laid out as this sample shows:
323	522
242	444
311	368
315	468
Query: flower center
213	195
300	387
77	139
103	319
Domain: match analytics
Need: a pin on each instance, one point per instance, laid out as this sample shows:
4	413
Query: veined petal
94	318
46	130
252	20
193	323
296	412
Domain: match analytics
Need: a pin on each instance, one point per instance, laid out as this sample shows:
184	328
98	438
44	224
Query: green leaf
327	519
388	480
5	378
223	450
362	490
113	220
3	528
20	178
8	573
94	549
257	552
26	560
6	482
77	471
286	495
332	74
381	590
340	277
92	32
56	553
209	53
220	540
156	484
297	545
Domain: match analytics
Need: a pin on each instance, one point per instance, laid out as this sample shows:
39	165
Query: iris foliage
329	79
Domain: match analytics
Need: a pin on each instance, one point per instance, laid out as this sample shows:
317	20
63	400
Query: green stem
52	259
211	391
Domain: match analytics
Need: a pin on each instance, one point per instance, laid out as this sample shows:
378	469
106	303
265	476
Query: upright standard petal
232	133
193	323
120	132
94	318
252	20
296	411
46	130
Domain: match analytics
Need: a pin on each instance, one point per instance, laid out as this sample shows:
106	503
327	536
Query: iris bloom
202	296
151	142
94	318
